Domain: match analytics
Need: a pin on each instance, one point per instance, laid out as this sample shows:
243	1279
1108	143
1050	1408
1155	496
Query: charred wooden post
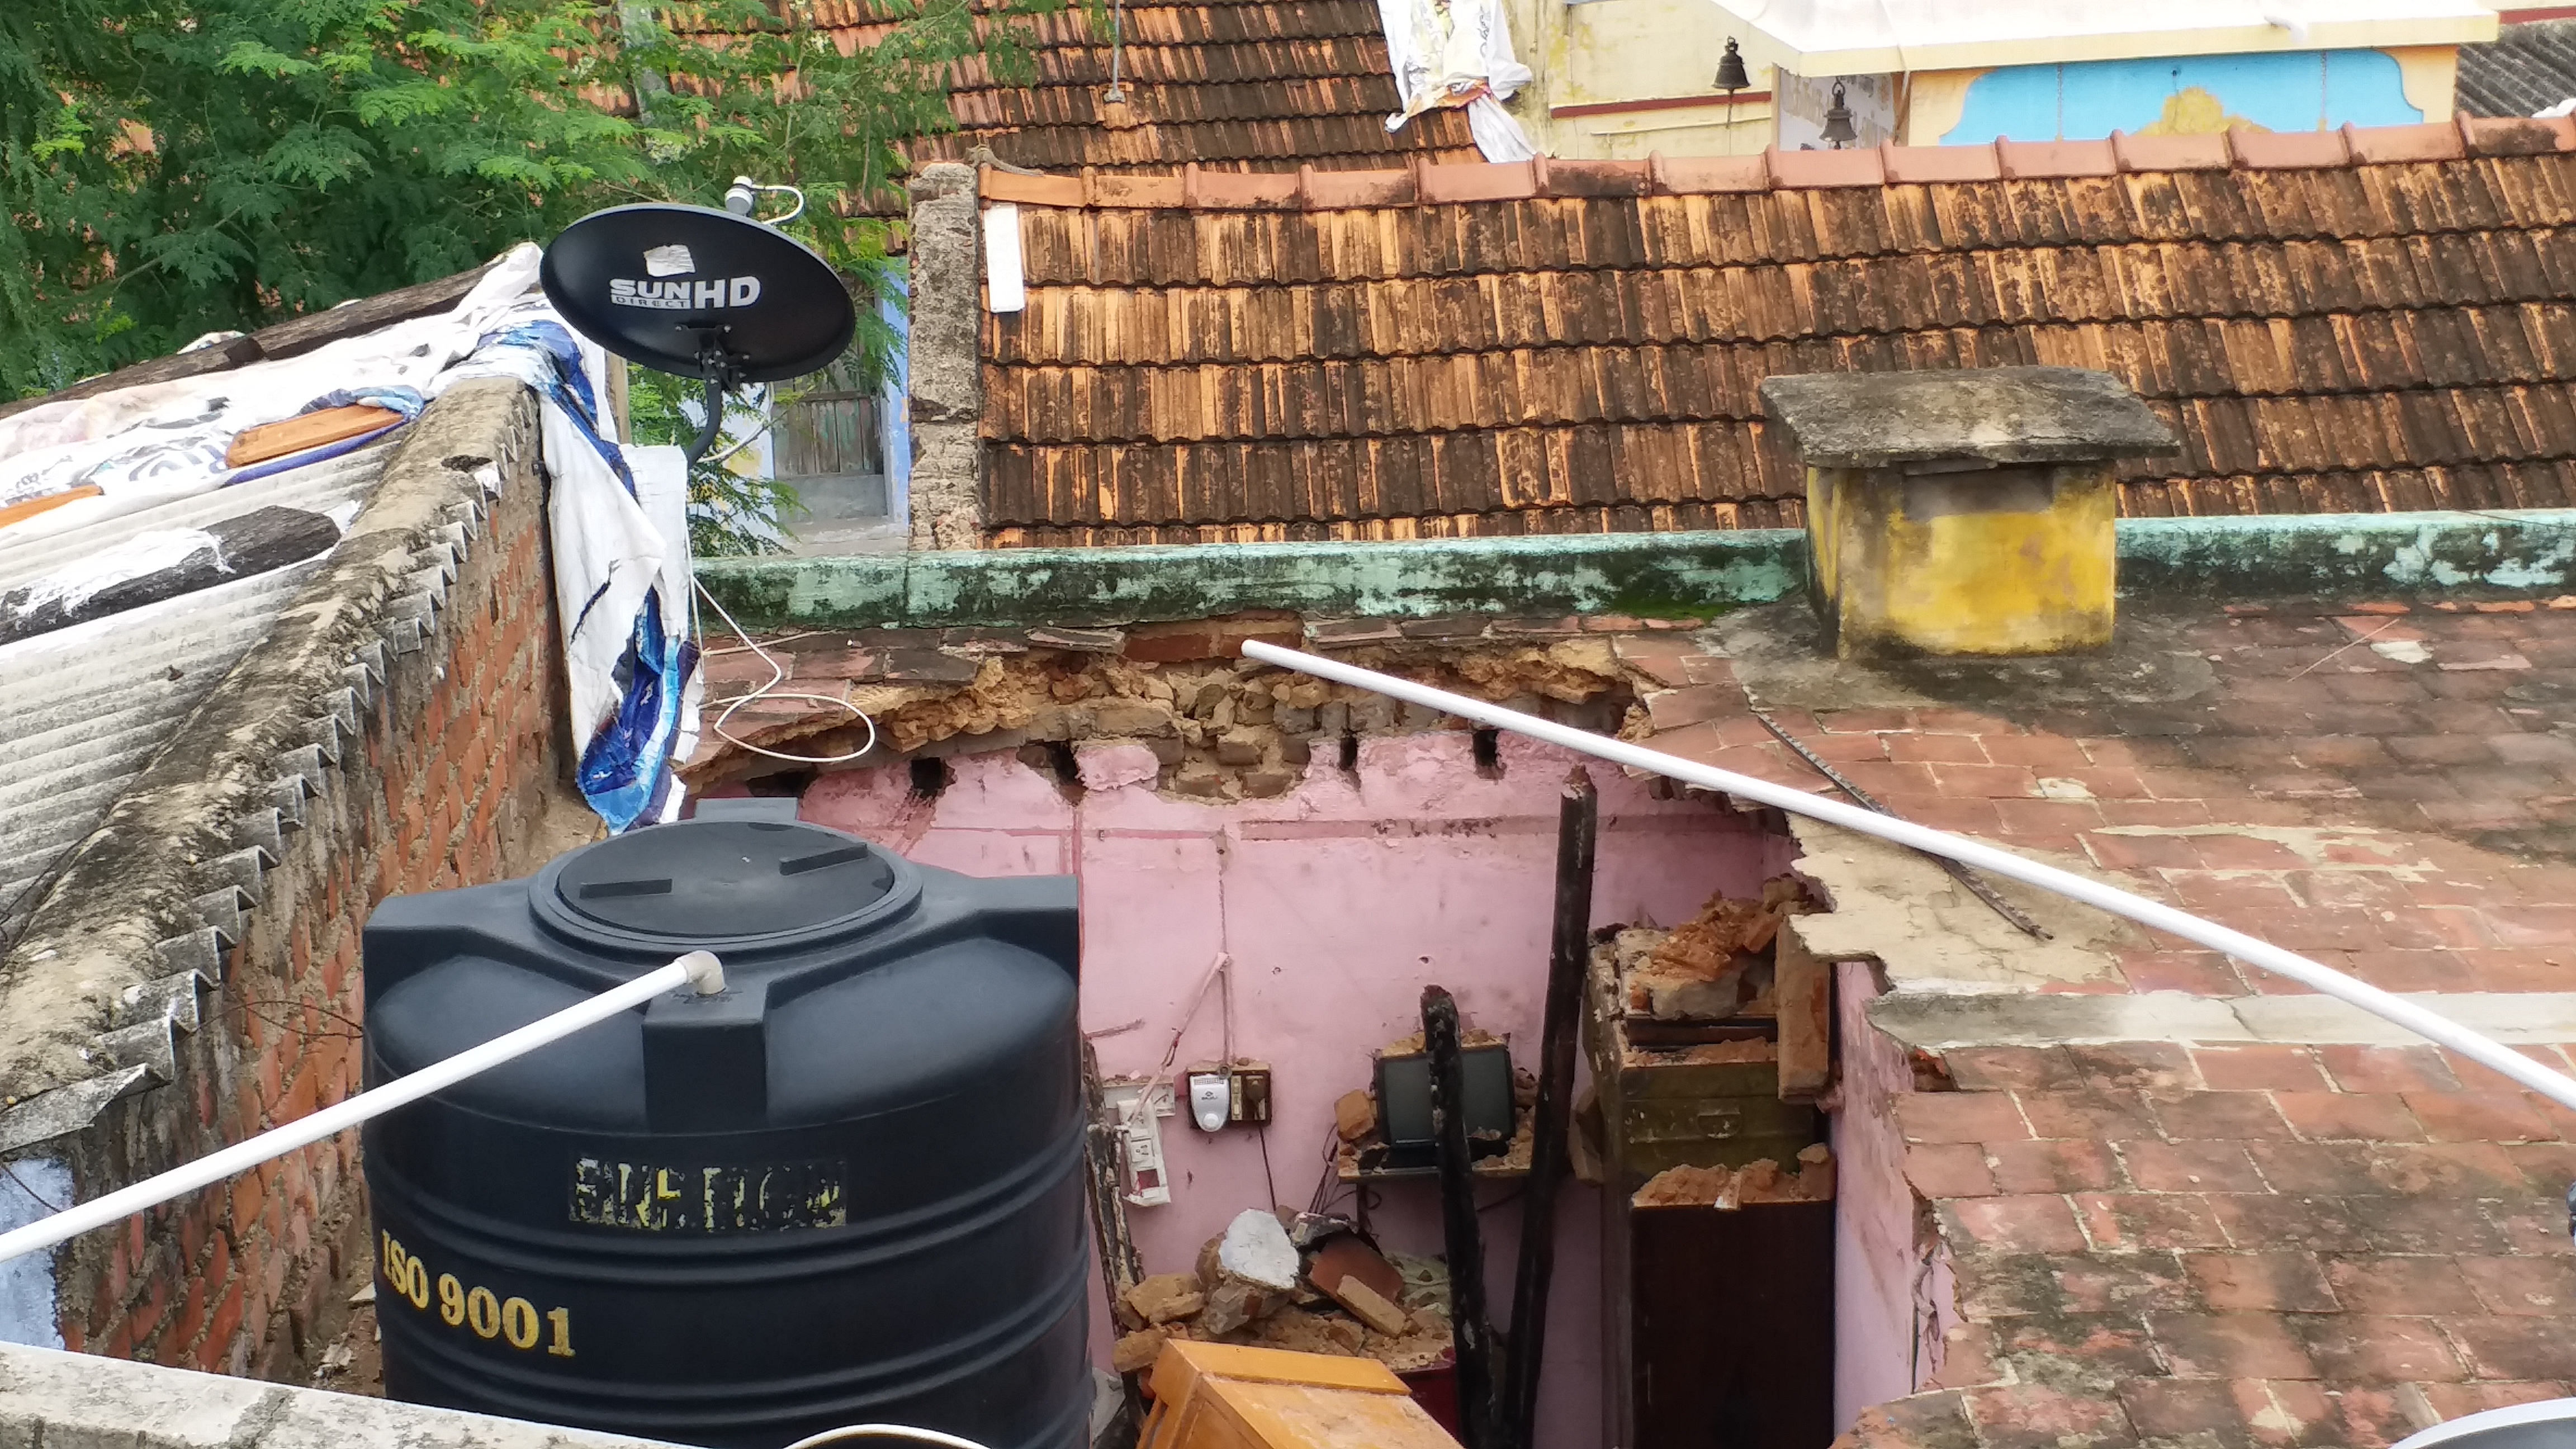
1569	956
1462	1236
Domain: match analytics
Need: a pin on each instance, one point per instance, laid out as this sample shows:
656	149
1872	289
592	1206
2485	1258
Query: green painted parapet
1649	575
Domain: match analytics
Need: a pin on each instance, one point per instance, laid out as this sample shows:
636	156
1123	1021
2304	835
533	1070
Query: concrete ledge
1669	575
55	1400
1942	1021
1651	575
2359	554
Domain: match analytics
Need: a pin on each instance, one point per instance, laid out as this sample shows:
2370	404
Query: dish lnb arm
744	195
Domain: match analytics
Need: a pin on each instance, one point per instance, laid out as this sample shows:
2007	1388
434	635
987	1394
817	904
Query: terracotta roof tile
1231	85
1441	349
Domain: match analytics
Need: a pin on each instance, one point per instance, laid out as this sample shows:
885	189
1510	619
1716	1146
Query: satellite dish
699	293
2549	1424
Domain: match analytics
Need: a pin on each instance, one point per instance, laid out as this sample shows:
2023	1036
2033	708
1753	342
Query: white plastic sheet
1457	53
143	445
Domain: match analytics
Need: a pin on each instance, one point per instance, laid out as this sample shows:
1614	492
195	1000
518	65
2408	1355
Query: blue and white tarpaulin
617	518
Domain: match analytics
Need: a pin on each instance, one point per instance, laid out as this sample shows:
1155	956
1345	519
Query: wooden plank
306	431
236	548
1461	1234
1569	953
296	336
46	504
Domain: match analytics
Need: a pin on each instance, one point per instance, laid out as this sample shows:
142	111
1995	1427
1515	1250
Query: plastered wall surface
2314	90
1337	903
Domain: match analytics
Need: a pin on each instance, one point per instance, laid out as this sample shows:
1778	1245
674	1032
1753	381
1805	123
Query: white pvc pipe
698	969
2432	1026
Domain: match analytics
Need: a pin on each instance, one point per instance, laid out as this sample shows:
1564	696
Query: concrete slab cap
1993	414
75	1401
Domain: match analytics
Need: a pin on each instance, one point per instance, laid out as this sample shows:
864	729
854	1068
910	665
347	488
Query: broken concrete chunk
1166	1296
1354	1115
1136	1352
1256	1249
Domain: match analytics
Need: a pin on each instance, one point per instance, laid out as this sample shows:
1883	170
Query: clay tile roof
1235	85
2358	321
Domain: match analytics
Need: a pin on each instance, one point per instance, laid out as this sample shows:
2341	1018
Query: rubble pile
1760	1181
1297	1281
1717	966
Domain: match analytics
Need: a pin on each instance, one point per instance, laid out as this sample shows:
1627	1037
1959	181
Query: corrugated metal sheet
89	706
2525	70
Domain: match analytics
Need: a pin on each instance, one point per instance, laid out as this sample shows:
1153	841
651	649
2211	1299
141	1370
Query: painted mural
2311	90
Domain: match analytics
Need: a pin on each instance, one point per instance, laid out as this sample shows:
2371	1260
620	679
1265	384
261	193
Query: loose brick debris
1348	1301
2248	1243
1221	727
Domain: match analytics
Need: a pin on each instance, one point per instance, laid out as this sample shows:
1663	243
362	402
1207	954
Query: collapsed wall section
193	978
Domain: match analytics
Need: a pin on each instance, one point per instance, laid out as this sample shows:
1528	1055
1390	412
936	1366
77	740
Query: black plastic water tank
848	1189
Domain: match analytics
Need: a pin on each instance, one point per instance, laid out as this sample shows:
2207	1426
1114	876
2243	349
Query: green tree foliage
175	167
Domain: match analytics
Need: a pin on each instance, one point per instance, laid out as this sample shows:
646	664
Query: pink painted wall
1876	1263
1337	903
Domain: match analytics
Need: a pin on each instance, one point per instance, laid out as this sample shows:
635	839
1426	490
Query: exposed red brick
2259	1068
2054	1166
2387	1069
2013	1068
2191	1167
2510	1347
2280	1281
2103	1116
2033	1416
2230	1346
2232	1116
2543	1286
1960	1117
2363	1116
1944	1170
2478	1117
2022	1224
2130	1220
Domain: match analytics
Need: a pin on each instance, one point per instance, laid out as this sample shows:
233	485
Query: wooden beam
1463	1237
1569	957
299	335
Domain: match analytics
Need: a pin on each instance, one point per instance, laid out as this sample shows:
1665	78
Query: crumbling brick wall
398	732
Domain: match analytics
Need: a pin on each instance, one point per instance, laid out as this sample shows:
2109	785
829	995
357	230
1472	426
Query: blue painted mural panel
2308	90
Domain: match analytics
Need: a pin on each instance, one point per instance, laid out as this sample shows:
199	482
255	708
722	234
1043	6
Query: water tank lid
715	879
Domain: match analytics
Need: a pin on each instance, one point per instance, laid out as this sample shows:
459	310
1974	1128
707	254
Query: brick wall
429	649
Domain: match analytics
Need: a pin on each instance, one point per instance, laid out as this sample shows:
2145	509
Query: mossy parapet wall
1668	575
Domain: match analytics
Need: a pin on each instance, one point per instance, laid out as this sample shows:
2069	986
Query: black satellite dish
2549	1424
700	293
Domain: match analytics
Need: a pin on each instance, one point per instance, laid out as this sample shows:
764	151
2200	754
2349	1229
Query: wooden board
1220	1396
306	431
46	504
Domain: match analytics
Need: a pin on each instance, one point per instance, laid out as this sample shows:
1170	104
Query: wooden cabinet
1718	1323
1219	1396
